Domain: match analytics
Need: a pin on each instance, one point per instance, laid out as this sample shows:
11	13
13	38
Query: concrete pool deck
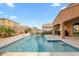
72	41
6	41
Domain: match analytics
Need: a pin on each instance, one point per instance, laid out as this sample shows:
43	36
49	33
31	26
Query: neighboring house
47	27
66	21
13	25
35	30
7	22
20	29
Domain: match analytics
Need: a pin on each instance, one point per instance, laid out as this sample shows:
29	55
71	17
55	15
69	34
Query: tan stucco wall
67	14
7	22
64	17
69	28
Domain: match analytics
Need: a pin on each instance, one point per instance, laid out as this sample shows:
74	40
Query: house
66	23
20	29
47	28
8	23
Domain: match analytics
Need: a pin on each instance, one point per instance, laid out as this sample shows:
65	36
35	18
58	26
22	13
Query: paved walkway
6	41
72	41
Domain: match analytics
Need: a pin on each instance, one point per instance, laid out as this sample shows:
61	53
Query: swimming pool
38	43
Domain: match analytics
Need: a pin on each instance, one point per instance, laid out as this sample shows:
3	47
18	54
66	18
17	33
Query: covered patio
66	24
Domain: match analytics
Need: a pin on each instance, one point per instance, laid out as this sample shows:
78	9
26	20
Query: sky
31	14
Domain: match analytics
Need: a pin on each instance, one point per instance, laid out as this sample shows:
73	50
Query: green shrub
6	31
28	30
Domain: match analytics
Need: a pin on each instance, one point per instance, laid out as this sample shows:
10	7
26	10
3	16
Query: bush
28	30
6	31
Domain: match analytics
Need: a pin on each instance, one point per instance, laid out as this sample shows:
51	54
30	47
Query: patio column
69	28
53	30
62	30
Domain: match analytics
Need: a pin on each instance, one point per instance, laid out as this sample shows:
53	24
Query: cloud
55	4
10	5
63	7
13	17
1	12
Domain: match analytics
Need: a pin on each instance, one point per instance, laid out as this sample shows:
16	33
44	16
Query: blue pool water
38	43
